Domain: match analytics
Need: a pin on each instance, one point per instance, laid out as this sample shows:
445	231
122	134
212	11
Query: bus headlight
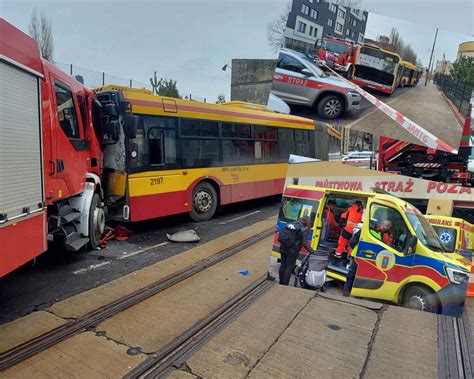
457	276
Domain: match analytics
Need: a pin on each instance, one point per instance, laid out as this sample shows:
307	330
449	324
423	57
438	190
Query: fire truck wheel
331	107
203	202
420	299
96	221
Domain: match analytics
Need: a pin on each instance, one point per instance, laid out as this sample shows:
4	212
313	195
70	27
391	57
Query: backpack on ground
290	236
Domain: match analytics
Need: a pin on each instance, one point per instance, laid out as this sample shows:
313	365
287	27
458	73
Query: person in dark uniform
289	251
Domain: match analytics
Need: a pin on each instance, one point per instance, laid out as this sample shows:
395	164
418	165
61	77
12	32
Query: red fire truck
408	159
52	130
339	54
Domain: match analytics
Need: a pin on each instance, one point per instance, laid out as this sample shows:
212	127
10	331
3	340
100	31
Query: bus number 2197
156	181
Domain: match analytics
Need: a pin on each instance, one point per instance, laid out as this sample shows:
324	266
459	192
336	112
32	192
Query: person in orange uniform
329	218
352	217
386	232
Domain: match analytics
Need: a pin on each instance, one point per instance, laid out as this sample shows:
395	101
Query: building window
310	30
356	11
363	17
361	38
348	32
330	22
315	32
353	35
314	14
339	27
332	8
341	13
304	9
301	27
311	1
354	22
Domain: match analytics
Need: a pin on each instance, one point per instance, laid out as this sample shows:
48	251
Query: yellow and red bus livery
189	156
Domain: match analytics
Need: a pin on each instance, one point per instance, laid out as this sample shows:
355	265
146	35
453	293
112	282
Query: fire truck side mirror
130	125
318	43
111	110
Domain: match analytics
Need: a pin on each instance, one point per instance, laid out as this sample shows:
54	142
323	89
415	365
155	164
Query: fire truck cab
337	53
51	130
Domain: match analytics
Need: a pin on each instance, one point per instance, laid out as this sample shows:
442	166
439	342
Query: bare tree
354	4
408	54
41	31
276	29
396	40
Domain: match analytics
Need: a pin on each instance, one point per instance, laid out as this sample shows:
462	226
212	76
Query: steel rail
175	354
40	343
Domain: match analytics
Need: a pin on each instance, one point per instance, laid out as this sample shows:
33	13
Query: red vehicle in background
51	136
338	54
400	157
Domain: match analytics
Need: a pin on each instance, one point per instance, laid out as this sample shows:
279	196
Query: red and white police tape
410	126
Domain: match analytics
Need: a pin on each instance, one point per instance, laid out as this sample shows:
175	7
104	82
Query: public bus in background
192	157
377	69
409	74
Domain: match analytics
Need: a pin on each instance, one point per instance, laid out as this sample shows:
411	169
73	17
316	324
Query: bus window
155	140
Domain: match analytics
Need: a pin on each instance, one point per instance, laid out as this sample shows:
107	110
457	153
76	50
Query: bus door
383	261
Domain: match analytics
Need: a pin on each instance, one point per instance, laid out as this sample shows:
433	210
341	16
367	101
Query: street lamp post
431	57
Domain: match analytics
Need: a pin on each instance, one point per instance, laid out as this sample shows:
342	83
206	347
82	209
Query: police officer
352	217
289	254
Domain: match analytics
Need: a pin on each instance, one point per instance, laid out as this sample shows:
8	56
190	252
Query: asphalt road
349	117
57	275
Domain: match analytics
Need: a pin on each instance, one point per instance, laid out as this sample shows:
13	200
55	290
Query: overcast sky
185	40
190	40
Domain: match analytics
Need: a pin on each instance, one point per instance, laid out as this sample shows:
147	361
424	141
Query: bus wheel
204	202
331	107
96	221
420	299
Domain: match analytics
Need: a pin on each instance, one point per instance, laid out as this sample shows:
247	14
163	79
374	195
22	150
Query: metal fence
93	78
457	90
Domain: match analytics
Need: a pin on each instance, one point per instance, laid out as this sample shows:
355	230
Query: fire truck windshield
335	47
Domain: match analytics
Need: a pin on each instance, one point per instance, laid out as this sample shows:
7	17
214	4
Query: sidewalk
294	333
423	105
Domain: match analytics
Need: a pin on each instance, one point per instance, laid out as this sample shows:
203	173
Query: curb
461	119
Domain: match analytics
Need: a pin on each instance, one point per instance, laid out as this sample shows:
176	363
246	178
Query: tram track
174	355
455	347
44	341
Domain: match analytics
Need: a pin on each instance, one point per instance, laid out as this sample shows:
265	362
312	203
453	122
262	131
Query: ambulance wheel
203	202
96	222
331	107
420	299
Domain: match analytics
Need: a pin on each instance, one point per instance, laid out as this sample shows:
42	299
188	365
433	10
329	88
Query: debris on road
184	236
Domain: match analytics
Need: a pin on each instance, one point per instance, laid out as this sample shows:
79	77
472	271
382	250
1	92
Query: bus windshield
335	47
425	232
379	60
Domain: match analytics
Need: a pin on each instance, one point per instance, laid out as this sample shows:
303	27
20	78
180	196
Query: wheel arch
409	285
